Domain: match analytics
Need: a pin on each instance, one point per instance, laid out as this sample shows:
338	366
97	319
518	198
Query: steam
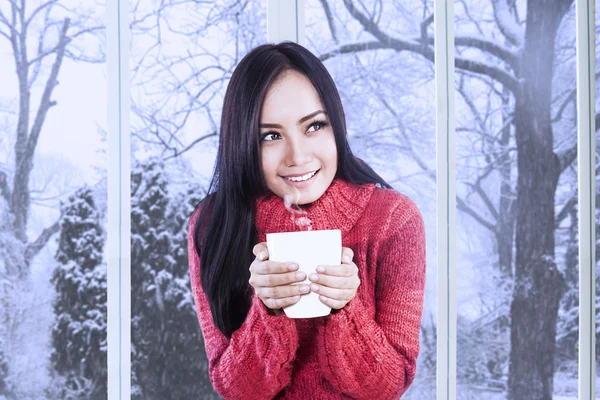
297	215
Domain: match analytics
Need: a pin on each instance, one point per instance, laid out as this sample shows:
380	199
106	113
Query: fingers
347	255
272	267
261	251
334	294
275	304
271	280
344	270
337	282
281	292
335	304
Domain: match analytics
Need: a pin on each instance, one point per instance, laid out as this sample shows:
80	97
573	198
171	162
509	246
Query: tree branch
462	206
354	48
39	9
424	25
32	249
486	200
466	209
177	153
426	51
513	32
495	49
567	157
569	99
45	102
564	212
329	17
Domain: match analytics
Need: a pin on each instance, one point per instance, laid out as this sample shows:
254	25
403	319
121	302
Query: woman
283	127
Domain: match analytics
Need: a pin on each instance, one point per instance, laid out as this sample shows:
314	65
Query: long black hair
224	234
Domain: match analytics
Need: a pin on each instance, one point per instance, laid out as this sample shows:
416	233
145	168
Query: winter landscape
517	215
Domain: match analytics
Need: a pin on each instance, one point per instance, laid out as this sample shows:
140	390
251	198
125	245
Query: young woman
283	129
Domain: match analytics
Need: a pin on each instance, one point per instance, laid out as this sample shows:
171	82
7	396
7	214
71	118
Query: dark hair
225	234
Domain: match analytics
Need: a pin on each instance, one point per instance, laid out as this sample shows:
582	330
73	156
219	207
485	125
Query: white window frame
446	198
286	21
586	160
119	200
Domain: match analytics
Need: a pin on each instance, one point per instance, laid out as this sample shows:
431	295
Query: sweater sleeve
375	358
258	357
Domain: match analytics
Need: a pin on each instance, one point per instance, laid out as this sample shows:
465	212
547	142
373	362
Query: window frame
286	21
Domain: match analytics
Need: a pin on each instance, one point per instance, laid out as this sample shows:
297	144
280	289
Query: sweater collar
339	207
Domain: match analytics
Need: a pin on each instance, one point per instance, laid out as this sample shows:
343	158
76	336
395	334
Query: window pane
389	102
53	200
182	57
517	279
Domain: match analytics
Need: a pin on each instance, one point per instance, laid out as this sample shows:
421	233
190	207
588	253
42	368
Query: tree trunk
506	220
538	283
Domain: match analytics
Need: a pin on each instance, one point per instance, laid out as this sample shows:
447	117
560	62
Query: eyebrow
301	120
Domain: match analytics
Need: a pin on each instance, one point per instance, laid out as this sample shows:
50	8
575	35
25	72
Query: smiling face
297	145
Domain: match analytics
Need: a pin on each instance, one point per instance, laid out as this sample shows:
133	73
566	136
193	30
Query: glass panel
389	101
182	57
53	200
517	279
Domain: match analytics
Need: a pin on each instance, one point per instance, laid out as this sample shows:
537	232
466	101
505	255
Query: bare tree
174	90
57	29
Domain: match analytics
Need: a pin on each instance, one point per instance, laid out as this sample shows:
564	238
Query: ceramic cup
309	249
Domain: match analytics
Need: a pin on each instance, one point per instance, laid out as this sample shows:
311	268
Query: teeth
302	178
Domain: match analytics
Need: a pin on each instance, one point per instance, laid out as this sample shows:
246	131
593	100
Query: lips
300	177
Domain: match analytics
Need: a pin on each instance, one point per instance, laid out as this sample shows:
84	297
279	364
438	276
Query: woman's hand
272	281
337	284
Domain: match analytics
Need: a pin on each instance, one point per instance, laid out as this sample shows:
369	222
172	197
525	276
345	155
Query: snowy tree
39	40
56	30
79	334
188	362
168	357
177	93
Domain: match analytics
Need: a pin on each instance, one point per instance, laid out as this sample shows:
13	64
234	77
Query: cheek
329	151
268	163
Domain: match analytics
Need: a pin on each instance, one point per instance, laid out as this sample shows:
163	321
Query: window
97	181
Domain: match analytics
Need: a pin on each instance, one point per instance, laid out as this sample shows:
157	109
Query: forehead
290	97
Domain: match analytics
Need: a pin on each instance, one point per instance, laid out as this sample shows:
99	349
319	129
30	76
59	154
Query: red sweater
367	350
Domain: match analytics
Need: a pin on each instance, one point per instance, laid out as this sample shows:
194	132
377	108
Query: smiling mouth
301	178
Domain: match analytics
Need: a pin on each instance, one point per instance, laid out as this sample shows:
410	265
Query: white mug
308	249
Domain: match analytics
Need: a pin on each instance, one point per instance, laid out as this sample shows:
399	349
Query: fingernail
315	288
300	275
262	255
314	277
347	259
320	269
293	267
304	288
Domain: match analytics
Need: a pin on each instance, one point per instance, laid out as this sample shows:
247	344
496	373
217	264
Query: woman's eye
270	136
320	124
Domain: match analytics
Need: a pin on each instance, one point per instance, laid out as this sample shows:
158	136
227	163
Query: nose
298	152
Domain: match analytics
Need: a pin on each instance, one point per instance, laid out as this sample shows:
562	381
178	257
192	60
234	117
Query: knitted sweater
366	350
